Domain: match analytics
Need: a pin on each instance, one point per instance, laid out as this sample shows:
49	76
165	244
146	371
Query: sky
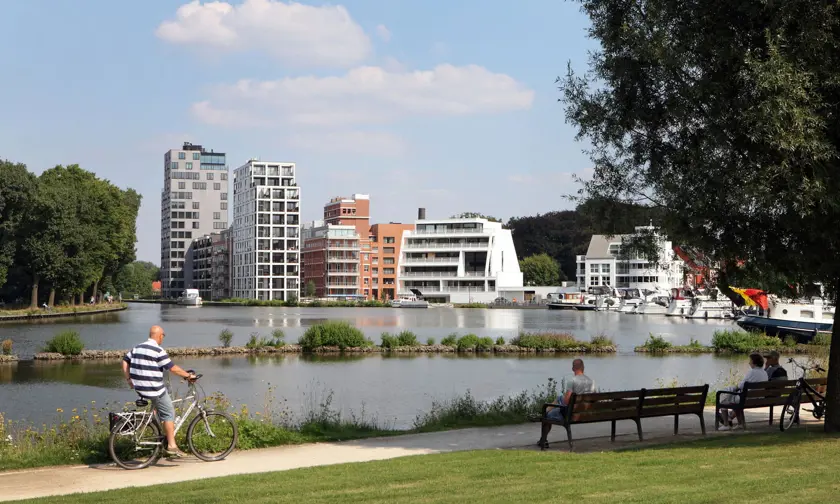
447	105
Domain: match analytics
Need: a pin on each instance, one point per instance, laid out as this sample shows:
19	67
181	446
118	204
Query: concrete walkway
590	437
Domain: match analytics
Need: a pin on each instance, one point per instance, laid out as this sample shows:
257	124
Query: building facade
603	265
331	258
266	231
458	260
386	244
194	203
211	265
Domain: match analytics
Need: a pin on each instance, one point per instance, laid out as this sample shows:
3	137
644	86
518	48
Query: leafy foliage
744	342
310	289
403	339
136	278
333	333
225	337
451	340
66	343
475	215
541	269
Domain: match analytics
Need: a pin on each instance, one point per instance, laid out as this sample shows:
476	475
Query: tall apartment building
458	260
211	265
193	203
376	249
266	231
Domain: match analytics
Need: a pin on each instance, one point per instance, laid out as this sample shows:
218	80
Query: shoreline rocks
9	358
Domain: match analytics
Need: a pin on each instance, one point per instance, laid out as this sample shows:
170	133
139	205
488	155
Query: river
394	389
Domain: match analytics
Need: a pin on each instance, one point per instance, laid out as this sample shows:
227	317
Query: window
605	268
195	225
595	268
224	195
173	165
388	260
388	250
200	185
224	205
389	239
182	185
209	175
182	155
195	205
220	225
189	165
217	215
388	271
223	176
196	156
217	187
367	268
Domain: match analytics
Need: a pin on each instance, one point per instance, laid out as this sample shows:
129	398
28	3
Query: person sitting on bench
579	384
773	369
755	374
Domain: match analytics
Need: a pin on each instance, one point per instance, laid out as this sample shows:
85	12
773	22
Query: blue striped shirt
146	364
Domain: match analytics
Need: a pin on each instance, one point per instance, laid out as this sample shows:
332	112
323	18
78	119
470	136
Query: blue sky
447	105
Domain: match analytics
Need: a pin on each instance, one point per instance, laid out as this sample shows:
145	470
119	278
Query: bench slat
671	410
605	405
766	401
682	399
675	391
600	416
600	396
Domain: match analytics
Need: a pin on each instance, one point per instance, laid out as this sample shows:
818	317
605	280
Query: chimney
421	214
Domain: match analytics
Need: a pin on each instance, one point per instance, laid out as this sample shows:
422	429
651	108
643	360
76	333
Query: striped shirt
146	364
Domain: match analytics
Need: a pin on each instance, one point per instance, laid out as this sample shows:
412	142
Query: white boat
801	320
588	303
409	301
630	300
704	307
190	297
656	305
680	303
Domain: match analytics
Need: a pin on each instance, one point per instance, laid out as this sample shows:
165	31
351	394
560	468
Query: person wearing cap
773	369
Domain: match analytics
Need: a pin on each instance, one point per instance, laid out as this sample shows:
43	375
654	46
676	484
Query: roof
599	246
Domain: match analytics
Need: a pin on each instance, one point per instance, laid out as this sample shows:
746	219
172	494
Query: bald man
143	368
579	384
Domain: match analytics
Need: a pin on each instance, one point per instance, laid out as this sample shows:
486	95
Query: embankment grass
333	334
60	309
656	344
716	469
561	341
738	341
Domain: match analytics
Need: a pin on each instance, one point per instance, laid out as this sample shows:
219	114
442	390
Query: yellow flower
59	410
74	410
93	402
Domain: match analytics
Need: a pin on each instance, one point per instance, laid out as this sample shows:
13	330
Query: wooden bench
630	405
763	395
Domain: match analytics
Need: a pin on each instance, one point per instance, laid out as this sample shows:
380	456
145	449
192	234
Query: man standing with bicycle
143	367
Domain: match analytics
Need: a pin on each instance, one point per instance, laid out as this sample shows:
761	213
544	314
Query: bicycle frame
147	416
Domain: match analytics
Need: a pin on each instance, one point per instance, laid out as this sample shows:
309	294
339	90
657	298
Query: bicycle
137	437
790	412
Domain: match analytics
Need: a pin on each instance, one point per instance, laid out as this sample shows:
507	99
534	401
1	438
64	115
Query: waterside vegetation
731	341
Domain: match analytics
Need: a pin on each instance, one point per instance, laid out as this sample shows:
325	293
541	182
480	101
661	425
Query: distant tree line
63	234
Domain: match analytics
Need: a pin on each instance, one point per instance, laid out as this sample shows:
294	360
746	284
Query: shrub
333	333
6	347
500	340
657	344
693	343
389	340
430	341
822	339
484	344
543	341
451	340
743	341
278	338
408	338
467	342
602	340
257	341
225	337
66	343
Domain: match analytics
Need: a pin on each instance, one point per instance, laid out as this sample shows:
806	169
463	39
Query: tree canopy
474	215
724	115
541	270
65	229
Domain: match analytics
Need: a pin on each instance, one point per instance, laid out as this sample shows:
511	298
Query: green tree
17	190
136	278
541	269
310	289
475	215
724	114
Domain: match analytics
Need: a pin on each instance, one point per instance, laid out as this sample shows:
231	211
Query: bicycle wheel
131	449
212	435
790	411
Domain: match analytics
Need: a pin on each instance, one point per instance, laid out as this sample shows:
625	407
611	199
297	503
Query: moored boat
800	320
190	297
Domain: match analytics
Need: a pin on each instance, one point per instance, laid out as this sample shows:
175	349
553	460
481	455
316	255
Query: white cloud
383	32
365	95
294	33
364	143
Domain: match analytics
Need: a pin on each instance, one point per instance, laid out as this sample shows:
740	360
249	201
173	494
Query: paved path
590	437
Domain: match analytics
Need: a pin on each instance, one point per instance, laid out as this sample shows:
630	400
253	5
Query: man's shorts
557	414
164	407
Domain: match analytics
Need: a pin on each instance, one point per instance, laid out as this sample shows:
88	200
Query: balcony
434	260
451	245
434	274
343	273
344	259
448	231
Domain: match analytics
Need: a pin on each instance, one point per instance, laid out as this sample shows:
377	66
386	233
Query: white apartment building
458	260
193	203
601	265
266	231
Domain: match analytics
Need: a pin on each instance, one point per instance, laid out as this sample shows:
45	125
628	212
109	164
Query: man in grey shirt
579	384
773	369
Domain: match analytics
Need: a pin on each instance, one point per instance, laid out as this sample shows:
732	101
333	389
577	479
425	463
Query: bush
451	340
484	344
544	341
430	341
65	343
6	347
333	333
657	344
822	339
693	343
403	339
278	338
225	337
743	341
467	342
389	340
257	341
601	340
500	341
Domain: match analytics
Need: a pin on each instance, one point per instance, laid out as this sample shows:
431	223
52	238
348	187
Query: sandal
173	454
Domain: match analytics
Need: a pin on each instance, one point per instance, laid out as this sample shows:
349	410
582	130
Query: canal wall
77	312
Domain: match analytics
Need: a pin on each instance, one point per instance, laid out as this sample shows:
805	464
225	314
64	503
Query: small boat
705	308
802	321
566	301
410	301
657	305
680	303
588	303
190	297
630	300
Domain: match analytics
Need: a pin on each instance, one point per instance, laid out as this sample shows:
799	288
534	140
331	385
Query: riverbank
60	311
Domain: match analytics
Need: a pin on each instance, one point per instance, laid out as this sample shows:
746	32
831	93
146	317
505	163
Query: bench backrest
603	406
775	393
674	401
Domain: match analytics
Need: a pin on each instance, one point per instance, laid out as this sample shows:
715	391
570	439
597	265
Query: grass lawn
795	466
